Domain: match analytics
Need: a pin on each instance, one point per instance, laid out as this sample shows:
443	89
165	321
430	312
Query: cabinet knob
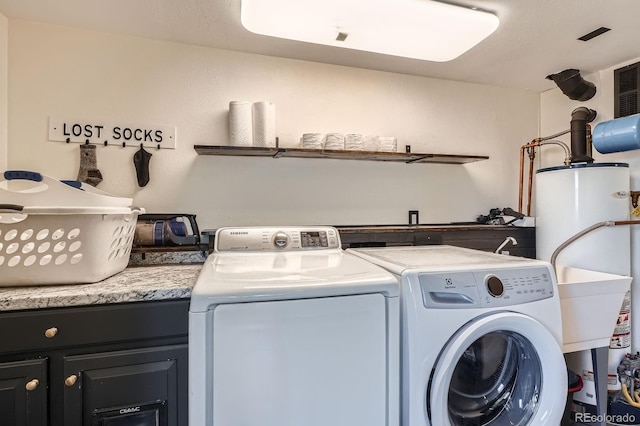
71	380
51	332
32	385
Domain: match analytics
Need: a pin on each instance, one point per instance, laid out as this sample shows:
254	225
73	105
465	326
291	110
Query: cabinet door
23	393
127	383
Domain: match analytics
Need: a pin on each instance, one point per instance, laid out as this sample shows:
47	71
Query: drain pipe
585	231
579	119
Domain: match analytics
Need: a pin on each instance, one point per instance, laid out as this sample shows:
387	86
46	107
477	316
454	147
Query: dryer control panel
486	288
282	238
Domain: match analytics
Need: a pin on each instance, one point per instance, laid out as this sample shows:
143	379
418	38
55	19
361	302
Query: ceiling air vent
626	90
594	34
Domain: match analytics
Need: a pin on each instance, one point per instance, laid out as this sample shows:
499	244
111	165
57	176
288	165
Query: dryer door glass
498	376
501	369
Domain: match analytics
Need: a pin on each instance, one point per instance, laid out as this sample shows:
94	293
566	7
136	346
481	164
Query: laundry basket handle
73	183
11	208
52	193
23	175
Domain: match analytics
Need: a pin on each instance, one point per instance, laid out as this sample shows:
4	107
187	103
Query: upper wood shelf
398	157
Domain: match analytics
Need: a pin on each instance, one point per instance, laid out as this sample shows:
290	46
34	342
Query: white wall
4	41
76	73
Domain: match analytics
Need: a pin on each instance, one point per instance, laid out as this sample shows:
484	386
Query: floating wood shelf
398	157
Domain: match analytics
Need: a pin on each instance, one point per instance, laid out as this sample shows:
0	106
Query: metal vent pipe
579	119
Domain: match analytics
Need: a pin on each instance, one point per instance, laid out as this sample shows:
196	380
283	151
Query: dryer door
501	369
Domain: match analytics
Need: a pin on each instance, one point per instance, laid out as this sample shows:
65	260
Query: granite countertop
173	279
134	284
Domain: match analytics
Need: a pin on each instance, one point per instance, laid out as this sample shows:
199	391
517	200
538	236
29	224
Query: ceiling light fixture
418	29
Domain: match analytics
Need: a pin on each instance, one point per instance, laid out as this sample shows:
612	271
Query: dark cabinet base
23	393
58	371
139	385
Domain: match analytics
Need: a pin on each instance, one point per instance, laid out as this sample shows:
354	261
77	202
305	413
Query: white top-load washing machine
287	329
481	337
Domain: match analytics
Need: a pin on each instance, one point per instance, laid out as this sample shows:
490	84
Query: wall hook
105	143
86	142
68	140
124	144
158	147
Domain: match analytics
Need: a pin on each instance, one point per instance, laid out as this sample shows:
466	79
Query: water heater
570	199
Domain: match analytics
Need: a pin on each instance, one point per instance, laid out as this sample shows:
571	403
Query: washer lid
439	258
232	277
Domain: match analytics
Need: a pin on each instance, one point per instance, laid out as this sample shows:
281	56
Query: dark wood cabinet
23	393
479	237
120	364
134	382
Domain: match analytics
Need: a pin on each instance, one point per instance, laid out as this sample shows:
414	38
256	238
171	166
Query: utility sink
590	303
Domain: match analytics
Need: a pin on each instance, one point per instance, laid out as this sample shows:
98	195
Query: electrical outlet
414	218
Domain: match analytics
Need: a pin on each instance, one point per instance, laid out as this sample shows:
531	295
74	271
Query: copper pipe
531	158
521	183
531	146
626	222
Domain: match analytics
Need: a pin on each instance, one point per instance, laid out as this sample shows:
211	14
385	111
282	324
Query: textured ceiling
535	37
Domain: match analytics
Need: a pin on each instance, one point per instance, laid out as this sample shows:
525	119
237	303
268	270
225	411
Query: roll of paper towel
264	124
240	123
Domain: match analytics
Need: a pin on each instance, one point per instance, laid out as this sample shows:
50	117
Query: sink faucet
505	242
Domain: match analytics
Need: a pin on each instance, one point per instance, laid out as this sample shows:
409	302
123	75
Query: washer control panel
486	288
277	238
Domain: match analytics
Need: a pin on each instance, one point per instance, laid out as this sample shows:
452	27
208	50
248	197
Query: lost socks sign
109	133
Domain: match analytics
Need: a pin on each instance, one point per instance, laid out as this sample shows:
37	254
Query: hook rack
123	144
106	143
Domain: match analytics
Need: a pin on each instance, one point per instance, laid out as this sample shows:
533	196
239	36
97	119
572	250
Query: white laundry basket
61	233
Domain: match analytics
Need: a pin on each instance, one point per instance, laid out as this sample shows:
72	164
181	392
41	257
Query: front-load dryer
287	329
481	337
